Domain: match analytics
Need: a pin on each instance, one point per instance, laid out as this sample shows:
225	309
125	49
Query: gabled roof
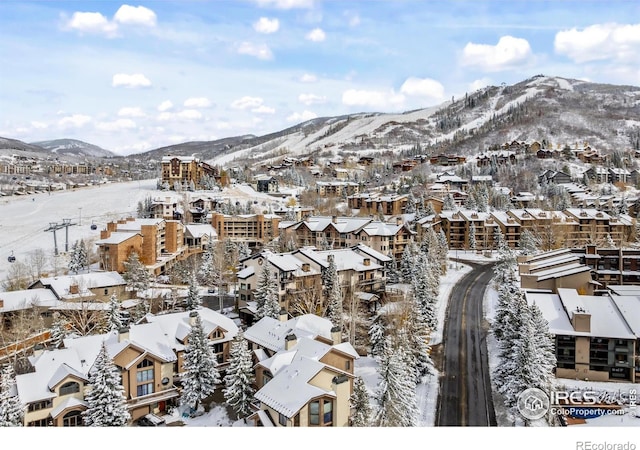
63	372
68	403
60	285
117	237
19	300
270	333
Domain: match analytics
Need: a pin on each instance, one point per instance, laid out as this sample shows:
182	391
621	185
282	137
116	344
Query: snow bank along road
465	386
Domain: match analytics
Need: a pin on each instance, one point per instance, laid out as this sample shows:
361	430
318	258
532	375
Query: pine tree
449	203
545	347
239	378
528	243
393	274
243	250
135	274
106	403
114	314
396	392
334	294
472	237
608	242
11	409
200	375
266	294
208	269
58	329
75	258
376	337
429	209
193	300
360	404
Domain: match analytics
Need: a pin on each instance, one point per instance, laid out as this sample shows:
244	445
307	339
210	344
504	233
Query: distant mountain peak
74	147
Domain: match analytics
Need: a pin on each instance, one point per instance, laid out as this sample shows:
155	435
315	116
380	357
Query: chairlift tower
53	227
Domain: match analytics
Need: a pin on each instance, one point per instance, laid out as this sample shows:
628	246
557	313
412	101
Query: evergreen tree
418	333
266	294
472	237
393	274
608	241
376	337
360	404
470	203
208	270
406	262
200	375
239	378
58	329
76	259
449	203
193	300
528	243
114	314
334	295
429	209
396	392
482	198
106	403
11	409
243	250
545	347
135	274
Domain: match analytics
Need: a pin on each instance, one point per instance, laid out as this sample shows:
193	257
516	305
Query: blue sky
134	76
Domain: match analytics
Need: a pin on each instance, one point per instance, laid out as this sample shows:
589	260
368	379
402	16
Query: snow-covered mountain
74	147
557	110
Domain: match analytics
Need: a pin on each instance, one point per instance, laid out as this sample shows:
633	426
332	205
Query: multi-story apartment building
303	356
158	243
596	337
184	170
254	229
374	204
149	357
336	188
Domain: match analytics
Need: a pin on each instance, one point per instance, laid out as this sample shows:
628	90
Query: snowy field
23	219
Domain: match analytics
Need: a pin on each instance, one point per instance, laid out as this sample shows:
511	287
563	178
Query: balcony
165	394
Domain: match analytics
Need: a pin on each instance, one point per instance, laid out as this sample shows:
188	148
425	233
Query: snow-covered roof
629	307
117	237
198	230
245	273
19	300
606	320
378	228
371	252
60	285
270	333
70	402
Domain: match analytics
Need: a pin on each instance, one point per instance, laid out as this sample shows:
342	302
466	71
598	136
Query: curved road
465	387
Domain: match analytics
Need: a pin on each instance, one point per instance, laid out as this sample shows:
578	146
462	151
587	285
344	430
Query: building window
266	378
321	412
282	419
144	378
69	388
45	404
72	419
347	365
39	423
106	291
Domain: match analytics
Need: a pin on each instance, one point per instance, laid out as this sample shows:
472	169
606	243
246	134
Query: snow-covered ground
23	219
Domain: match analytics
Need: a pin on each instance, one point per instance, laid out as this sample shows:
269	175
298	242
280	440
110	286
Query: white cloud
423	87
376	99
316	35
302	117
311	99
165	105
74	121
599	42
135	15
223	125
39	125
185	114
131	111
509	52
133	80
266	25
285	4
197	102
247	102
260	51
116	125
262	109
91	22
479	84
190	114
308	78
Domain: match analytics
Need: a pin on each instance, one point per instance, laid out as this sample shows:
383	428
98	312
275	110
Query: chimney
334	219
399	221
123	334
290	341
1	303
74	289
336	335
105	234
367	261
283	316
192	317
38	350
330	258
581	320
112	226
306	267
